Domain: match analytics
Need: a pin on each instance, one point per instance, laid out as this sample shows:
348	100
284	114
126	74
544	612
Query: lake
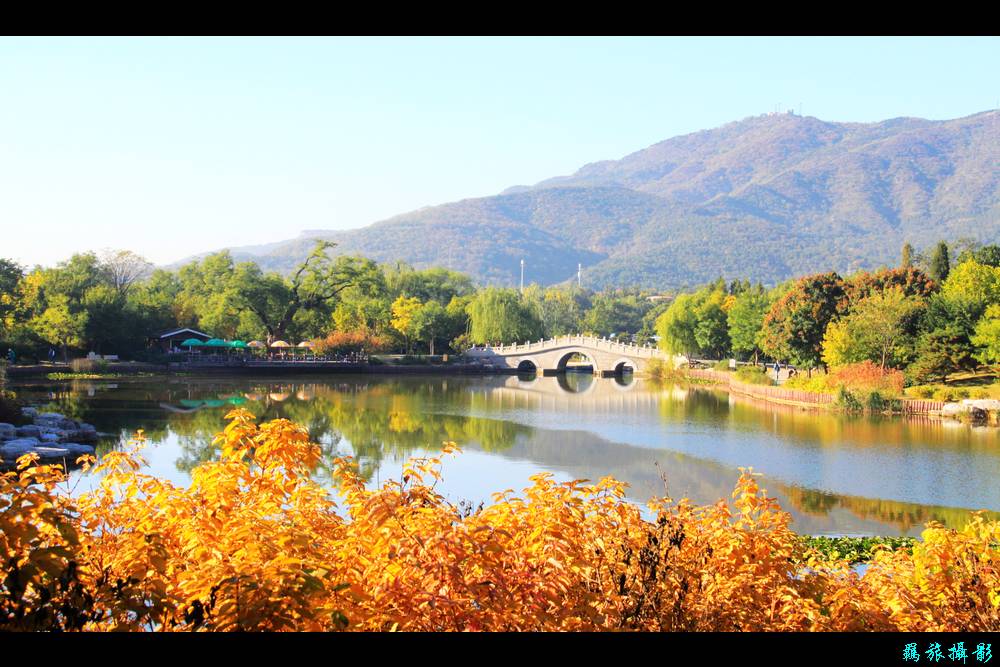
835	474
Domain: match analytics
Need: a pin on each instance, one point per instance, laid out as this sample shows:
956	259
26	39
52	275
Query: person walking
777	370
52	355
11	355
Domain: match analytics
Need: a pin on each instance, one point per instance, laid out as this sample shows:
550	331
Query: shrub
816	384
946	394
722	365
867	377
753	375
660	370
845	400
350	342
923	391
255	544
875	403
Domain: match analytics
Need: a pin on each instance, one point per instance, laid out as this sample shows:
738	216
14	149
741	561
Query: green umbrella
192	342
216	342
238	344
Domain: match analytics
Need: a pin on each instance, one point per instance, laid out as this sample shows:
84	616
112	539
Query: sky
175	146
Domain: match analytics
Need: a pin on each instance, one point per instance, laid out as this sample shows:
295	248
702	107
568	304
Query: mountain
769	198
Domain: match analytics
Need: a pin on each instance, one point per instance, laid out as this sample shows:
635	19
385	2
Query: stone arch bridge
549	357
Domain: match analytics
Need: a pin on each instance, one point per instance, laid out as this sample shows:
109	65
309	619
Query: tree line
926	318
112	302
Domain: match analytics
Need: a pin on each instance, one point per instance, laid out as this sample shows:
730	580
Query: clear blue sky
171	146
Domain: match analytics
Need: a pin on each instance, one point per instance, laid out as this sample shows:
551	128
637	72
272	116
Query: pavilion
171	339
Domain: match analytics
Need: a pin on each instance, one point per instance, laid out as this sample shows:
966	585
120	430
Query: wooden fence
781	394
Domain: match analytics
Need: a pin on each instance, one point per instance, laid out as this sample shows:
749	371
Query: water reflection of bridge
555	392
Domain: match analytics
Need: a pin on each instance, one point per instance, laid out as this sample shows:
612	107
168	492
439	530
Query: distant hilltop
769	197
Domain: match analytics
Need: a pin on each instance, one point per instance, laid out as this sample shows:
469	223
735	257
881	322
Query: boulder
978	415
50	438
29	412
12	449
47	452
7	431
75	449
29	431
953	409
983	403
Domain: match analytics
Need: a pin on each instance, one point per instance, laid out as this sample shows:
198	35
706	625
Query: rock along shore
54	437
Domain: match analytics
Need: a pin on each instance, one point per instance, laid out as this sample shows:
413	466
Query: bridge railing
580	340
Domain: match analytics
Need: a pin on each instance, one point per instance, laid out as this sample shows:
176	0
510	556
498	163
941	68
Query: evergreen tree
907	256
939	262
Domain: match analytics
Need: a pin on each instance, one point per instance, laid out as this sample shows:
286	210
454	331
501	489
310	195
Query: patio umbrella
306	343
256	343
239	345
216	342
192	342
280	343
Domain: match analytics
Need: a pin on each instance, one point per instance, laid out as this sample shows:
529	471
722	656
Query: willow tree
501	315
315	284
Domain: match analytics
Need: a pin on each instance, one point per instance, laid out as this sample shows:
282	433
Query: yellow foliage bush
255	544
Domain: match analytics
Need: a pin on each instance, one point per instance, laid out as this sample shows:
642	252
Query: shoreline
803	399
115	371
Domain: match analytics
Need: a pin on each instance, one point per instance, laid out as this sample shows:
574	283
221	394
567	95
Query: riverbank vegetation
255	544
923	323
112	303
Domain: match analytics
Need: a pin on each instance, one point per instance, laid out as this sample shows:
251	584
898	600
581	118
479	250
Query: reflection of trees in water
379	418
389	419
904	515
696	405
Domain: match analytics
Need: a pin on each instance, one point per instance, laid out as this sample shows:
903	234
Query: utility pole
522	276
579	274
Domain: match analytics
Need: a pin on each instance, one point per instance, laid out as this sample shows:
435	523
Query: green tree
796	323
696	323
712	330
676	326
987	336
434	284
746	320
61	324
939	262
973	282
431	322
988	255
944	345
11	275
907	259
315	283
615	313
501	315
876	329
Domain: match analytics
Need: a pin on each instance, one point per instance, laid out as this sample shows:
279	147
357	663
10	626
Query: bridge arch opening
625	366
577	361
527	366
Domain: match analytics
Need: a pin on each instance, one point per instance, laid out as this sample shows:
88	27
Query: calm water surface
834	474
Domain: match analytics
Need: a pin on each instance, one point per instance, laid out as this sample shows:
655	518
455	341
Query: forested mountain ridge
769	197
